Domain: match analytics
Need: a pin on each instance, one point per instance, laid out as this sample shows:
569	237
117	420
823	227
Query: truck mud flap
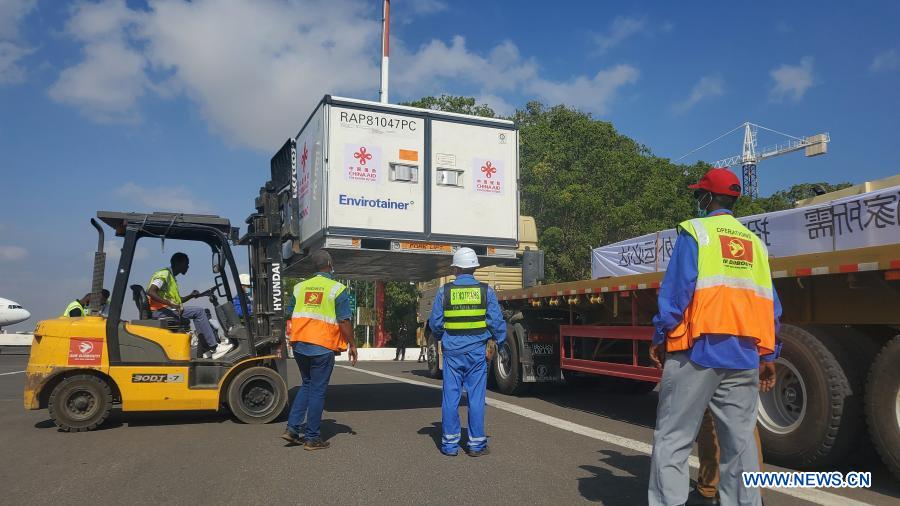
540	363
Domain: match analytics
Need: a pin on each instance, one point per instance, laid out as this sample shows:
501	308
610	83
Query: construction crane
813	145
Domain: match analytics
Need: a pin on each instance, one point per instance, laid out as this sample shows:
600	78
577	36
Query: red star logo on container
362	155
488	169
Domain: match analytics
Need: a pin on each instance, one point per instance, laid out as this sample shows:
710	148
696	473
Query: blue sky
179	105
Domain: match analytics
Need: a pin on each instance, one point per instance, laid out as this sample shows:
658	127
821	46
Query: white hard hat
465	258
245	279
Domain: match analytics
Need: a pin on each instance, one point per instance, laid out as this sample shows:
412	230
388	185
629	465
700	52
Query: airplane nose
25	313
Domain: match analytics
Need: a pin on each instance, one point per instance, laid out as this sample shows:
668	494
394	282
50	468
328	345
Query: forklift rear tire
257	395
80	403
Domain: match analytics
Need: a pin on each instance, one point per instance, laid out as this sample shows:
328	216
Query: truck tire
507	369
257	395
80	403
812	418
883	405
432	358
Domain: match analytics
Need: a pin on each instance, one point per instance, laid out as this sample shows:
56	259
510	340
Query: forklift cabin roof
168	225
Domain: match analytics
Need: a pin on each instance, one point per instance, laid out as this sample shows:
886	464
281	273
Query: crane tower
813	145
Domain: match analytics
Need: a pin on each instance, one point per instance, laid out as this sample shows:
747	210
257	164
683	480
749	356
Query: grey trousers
684	393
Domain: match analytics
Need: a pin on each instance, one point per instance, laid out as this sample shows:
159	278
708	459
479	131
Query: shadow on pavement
596	399
331	428
380	397
434	432
619	479
327	430
419	372
635	409
117	419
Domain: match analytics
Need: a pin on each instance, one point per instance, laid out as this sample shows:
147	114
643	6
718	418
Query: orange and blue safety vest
717	299
315	318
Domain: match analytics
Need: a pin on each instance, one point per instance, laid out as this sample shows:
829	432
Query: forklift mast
265	234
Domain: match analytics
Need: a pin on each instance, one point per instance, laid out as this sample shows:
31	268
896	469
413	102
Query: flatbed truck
838	376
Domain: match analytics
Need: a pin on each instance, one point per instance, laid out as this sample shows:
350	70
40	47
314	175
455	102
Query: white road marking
807	494
8	373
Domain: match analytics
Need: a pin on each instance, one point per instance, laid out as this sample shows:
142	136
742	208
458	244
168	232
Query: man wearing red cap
715	332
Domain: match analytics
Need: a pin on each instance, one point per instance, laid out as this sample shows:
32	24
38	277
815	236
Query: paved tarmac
559	445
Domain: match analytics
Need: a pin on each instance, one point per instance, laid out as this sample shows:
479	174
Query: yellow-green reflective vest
465	309
75	304
314	319
169	291
733	294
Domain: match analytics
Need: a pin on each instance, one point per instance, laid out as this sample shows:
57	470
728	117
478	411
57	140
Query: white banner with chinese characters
868	219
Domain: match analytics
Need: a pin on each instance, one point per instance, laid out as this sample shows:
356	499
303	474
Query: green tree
452	103
784	199
399	306
588	185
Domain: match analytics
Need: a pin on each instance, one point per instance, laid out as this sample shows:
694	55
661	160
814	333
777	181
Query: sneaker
292	438
480	453
450	454
208	354
221	350
316	444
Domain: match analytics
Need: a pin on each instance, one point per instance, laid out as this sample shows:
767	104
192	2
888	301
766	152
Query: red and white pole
380	334
385	49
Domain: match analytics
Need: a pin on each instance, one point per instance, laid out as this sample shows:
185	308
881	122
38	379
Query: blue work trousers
315	373
467	370
196	315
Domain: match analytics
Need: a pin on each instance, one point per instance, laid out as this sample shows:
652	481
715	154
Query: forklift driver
165	301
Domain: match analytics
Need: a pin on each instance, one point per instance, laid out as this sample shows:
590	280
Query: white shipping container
391	191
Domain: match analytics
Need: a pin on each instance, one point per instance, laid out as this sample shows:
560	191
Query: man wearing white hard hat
465	316
245	285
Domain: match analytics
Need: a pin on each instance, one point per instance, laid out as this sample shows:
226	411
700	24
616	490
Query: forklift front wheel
80	403
257	395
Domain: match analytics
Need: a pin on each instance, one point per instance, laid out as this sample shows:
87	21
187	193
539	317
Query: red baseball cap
720	181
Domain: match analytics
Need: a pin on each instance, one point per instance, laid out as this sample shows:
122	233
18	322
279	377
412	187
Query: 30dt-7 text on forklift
80	367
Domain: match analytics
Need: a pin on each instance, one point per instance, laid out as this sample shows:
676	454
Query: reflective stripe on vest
314	319
465	309
733	294
75	305
169	291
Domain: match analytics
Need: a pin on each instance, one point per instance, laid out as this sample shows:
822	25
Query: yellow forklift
80	367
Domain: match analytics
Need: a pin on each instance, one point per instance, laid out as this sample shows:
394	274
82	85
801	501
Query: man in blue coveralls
465	316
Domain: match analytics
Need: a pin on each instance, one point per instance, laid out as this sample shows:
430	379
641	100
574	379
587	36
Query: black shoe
316	444
292	438
479	453
697	499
